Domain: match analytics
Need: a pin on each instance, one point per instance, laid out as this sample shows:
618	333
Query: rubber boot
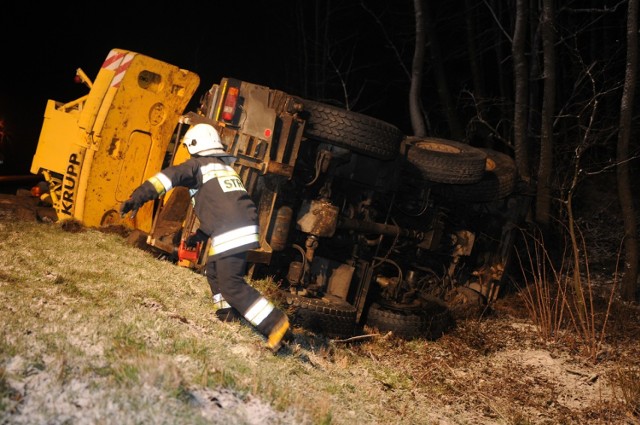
278	334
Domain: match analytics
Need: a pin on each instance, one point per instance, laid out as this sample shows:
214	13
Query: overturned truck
359	224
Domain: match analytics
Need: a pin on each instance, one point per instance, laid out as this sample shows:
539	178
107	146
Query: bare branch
605	9
388	39
497	21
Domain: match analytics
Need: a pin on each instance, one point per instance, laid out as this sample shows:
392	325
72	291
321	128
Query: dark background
261	42
355	54
45	45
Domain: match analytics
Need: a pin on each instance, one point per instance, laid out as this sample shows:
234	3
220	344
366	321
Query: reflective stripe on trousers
219	302
226	277
256	313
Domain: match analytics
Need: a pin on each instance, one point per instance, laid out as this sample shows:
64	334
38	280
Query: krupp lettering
73	159
68	193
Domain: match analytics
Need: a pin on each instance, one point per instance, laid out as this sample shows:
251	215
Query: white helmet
203	140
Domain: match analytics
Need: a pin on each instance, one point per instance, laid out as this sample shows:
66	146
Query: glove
130	205
142	194
194	238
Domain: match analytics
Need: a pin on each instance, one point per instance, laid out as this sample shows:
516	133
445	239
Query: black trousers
225	275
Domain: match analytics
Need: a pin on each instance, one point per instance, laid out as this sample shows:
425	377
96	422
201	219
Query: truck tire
405	325
329	315
445	161
351	130
497	182
431	322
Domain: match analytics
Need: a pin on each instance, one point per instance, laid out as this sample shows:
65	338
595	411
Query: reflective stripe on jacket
224	208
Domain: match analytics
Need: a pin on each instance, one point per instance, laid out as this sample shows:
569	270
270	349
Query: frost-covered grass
97	331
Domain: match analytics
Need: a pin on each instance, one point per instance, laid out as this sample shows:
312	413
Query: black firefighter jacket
221	203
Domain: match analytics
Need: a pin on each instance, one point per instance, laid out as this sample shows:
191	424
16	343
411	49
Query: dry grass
96	331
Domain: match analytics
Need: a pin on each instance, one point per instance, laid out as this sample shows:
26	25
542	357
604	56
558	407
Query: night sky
260	42
43	46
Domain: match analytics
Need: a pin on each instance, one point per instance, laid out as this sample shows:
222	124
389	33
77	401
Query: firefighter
227	215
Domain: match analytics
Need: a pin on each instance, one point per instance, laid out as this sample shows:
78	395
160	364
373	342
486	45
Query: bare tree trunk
415	91
457	131
521	88
629	286
543	193
535	69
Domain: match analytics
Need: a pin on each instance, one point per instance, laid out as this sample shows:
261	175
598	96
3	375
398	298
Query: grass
94	329
626	381
560	296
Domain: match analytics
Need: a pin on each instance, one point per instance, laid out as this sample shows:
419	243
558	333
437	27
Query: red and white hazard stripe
118	61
